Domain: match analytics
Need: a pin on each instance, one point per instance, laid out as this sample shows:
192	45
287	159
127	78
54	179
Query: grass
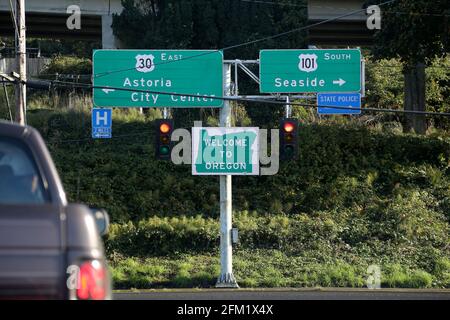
266	269
398	277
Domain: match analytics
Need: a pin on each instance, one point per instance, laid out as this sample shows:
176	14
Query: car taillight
92	281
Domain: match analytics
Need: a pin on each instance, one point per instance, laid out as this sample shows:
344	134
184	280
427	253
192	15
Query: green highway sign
225	151
146	75
302	71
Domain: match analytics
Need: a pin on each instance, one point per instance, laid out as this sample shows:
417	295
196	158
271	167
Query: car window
20	181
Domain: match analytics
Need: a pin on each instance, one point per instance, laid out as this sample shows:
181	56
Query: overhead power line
40	85
13	17
82	76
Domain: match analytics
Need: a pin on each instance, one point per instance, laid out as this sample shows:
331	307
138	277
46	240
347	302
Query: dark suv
49	249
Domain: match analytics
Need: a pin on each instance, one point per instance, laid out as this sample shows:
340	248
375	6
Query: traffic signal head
164	129
288	139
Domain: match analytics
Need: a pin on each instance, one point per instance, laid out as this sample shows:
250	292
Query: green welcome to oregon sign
225	151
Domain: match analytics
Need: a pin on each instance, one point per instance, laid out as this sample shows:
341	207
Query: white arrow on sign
108	90
340	82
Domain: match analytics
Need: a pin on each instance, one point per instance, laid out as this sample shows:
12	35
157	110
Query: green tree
416	32
385	86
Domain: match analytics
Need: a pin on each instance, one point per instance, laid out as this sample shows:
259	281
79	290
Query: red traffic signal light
288	139
163	139
164	127
288	126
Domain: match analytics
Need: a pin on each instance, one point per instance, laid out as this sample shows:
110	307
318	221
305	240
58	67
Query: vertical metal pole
165	113
236	80
363	78
288	107
226	278
21	89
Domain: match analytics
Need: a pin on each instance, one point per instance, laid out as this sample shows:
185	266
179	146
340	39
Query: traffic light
164	129
288	139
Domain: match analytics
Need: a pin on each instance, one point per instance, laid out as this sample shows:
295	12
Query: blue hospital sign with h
101	123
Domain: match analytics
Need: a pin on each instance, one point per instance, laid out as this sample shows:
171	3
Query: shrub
68	65
442	271
326	231
339	167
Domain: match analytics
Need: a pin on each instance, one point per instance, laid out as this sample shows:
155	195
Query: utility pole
21	60
226	278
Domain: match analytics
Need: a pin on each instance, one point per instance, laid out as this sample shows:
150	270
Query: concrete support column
109	41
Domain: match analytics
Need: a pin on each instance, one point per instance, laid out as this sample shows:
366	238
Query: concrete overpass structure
47	19
349	31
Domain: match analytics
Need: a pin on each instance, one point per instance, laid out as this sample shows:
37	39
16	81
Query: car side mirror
101	219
